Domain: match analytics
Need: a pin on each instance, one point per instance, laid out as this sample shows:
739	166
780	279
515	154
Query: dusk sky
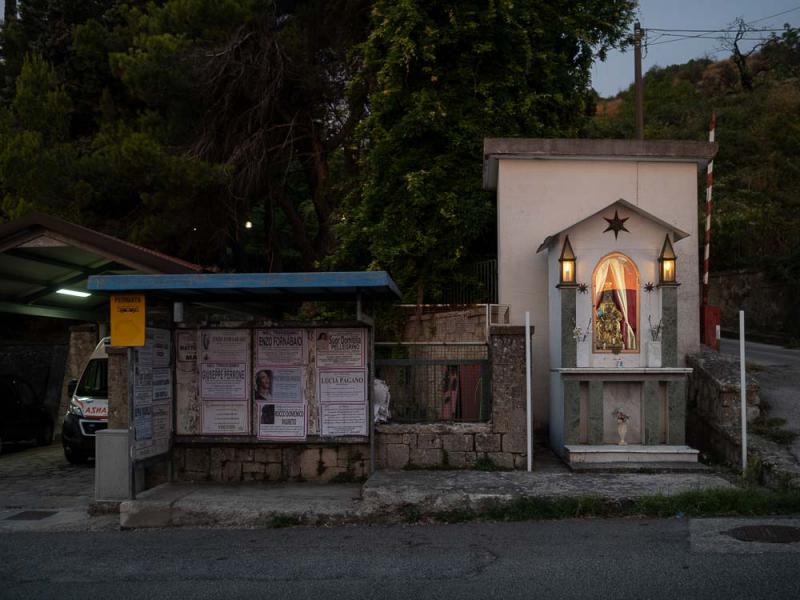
616	73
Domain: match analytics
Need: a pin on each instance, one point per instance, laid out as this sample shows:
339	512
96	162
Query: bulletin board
276	384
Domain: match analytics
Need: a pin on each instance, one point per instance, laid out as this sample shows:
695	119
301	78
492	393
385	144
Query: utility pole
637	59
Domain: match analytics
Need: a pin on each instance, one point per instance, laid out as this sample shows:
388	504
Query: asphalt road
628	558
764	354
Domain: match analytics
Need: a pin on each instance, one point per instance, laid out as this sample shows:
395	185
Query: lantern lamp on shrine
666	264
567	264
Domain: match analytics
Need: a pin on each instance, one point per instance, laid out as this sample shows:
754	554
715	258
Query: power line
676	36
776	14
709	30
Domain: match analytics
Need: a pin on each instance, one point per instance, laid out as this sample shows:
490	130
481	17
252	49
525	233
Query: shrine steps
633	458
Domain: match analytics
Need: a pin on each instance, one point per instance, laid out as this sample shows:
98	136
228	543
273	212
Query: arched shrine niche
615	296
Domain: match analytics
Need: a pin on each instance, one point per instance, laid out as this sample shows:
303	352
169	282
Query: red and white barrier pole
709	186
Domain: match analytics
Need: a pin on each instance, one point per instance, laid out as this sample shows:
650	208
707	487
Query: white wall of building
537	198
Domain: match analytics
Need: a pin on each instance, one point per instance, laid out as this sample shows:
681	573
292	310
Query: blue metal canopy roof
254	286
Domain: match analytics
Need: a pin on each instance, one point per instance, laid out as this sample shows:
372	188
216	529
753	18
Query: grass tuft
695	503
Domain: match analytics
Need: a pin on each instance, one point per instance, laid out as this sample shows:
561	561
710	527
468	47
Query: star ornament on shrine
616	224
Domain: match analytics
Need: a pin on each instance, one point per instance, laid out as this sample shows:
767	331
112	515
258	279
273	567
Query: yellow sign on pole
127	320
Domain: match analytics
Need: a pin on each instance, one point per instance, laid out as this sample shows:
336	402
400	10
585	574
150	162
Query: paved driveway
38	481
778	375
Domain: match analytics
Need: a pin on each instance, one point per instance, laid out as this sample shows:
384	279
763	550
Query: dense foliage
756	218
348	131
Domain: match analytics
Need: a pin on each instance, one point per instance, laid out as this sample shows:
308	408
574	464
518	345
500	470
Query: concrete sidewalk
384	496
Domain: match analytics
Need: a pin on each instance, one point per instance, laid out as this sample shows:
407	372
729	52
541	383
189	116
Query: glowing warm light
669	270
567	260
248	225
667	259
75	293
568	274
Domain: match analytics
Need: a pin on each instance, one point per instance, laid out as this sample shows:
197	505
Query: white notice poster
281	421
280	347
162	385
223	382
340	347
342	386
187	346
225	417
343	419
224	345
143	423
187	399
159	339
278	384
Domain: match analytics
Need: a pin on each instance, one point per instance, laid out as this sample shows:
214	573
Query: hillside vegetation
756	219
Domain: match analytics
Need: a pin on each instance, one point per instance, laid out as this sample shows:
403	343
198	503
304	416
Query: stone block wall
714	389
459	445
463	325
270	462
82	342
440	445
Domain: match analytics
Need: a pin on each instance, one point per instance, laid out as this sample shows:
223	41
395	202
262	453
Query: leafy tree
442	76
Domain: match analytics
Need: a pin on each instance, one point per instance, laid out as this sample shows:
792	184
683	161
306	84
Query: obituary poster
187	399
279	384
340	348
224	346
187	346
143	373
143	423
158	339
223	381
225	418
284	422
162	385
343	419
280	347
342	386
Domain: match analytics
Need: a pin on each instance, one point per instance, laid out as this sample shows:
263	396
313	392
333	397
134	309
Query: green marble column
676	409
569	347
572	411
669	317
652	413
595	411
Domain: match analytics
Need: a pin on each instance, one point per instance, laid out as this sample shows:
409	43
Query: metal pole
743	390
131	424
709	187
371	398
529	411
637	69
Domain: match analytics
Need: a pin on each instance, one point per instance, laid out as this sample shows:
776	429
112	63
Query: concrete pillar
676	409
112	451
669	317
595	416
652	413
572	411
117	388
569	346
82	342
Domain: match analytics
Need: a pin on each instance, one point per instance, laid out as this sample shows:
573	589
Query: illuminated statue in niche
615	289
608	324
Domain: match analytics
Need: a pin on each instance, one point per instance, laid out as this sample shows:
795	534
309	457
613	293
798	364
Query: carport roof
40	254
240	287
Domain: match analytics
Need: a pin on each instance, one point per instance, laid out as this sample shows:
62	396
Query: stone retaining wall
714	389
714	423
459	445
309	462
